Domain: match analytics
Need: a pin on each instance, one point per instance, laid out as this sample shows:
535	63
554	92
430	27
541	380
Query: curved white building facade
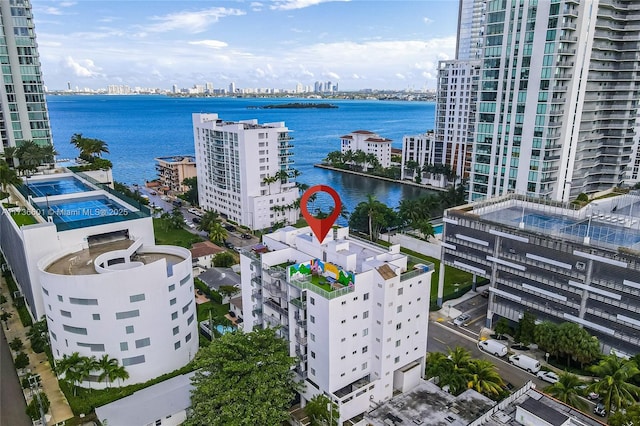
131	301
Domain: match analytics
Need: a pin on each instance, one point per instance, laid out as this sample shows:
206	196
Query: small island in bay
296	105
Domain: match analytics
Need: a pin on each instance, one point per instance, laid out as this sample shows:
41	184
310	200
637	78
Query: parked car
196	220
177	203
153	192
532	365
229	227
189	224
246	236
192	210
593	396
228	245
485	293
548	376
493	347
461	319
600	410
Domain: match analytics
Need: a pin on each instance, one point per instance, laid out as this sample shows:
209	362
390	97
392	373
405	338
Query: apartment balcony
257	293
277	308
322	286
569	38
301	372
257	311
300	338
300	320
257	281
257	322
567	25
564	64
302	356
274	321
298	303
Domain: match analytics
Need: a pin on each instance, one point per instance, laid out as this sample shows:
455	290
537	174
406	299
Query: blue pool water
437	229
66	185
85	208
223	329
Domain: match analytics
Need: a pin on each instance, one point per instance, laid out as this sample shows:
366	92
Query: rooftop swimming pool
85	208
58	186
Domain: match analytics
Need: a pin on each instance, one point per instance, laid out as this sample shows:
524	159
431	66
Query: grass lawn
23	219
173	237
217	310
321	282
452	276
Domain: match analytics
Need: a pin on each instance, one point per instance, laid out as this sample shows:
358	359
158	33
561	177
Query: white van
525	362
493	347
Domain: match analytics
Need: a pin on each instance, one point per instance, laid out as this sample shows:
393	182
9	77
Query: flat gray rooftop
429	405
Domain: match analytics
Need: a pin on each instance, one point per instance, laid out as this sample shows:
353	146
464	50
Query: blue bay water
140	128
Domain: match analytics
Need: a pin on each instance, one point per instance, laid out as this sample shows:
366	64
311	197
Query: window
176	330
133	360
343	321
398	326
365	314
365	332
186	339
312	319
176	345
397	343
399	309
313	371
54	336
129	329
65	313
365	349
45	291
312	300
59	298
313	355
172	302
364	366
127	314
344	339
77	301
136	298
190	319
172	287
124	346
313	337
185	280
396	360
141	343
185	308
94	347
366	296
75	330
174	315
400	291
96	317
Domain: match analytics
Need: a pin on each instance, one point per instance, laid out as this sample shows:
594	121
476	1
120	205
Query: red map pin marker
320	227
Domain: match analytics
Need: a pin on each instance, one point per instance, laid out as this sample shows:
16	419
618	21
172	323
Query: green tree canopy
525	329
224	260
191	195
243	379
614	387
371	217
321	411
567	389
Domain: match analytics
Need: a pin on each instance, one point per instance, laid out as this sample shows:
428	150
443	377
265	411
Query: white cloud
427	20
296	4
193	22
400	76
82	67
256	6
213	44
332	75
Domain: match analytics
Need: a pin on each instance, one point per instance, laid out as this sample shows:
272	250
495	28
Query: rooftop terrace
82	262
613	222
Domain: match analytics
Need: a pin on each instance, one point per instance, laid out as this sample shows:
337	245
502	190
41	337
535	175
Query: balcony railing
298	303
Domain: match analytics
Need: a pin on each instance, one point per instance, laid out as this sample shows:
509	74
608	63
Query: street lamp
34	384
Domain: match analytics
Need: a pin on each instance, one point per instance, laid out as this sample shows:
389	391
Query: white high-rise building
244	170
557	98
369	143
24	114
355	314
420	150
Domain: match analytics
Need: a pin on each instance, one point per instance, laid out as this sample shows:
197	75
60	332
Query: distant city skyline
360	44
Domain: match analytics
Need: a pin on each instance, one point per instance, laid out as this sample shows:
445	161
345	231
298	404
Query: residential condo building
556	109
556	260
244	170
23	113
355	314
172	171
87	262
369	143
418	149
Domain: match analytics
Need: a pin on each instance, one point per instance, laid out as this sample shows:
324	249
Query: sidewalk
38	364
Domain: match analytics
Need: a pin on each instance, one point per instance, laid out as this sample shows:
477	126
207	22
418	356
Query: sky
358	44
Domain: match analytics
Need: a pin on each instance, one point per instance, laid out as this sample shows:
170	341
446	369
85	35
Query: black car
484	294
246	236
228	245
229	227
600	410
196	220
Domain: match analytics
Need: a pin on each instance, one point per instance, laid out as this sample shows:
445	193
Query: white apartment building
556	104
369	143
90	266
355	314
244	170
419	149
456	114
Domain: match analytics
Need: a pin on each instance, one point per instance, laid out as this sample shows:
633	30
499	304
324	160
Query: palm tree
69	366
86	366
268	180
371	205
360	157
348	157
483	377
567	390
614	385
372	161
97	147
410	211
8	176
282	175
217	233
29	155
48	153
119	373
107	366
317	409
207	220
10	156
436	364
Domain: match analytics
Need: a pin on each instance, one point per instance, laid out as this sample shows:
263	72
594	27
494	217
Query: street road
12	404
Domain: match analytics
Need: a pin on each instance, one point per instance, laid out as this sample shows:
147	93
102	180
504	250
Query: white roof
150	404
